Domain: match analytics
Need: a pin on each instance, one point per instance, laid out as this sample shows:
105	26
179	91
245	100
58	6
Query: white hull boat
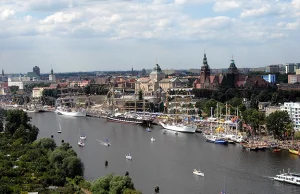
179	127
80	143
128	157
198	172
83	137
71	113
291	178
152	139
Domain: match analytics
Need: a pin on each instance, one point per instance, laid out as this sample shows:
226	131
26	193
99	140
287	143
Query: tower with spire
2	73
52	76
205	70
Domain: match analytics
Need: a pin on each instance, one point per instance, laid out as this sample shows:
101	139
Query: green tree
253	102
13	89
253	118
277	123
235	102
274	99
207	106
140	95
111	184
45	143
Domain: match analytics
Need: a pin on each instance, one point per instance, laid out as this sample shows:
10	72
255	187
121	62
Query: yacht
70	112
198	172
291	178
179	127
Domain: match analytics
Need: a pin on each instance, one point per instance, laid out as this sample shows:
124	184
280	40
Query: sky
100	35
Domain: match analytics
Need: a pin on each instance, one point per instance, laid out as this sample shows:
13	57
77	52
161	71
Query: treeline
267	95
31	165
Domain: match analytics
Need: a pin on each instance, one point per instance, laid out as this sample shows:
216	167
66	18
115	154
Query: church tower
205	70
232	68
52	76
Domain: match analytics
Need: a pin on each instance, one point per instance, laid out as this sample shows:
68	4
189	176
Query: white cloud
161	22
61	17
7	13
221	6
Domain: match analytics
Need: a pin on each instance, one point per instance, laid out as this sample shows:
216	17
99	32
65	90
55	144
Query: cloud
222	6
7	13
155	24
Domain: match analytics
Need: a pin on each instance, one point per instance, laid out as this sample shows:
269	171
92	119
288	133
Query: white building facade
293	109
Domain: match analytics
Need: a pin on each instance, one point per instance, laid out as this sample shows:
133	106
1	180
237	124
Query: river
169	161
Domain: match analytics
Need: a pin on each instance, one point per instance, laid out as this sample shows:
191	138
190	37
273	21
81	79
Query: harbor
170	160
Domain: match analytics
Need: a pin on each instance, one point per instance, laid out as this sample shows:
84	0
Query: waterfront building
293	109
175	82
272	69
232	78
150	84
263	105
284	86
271	78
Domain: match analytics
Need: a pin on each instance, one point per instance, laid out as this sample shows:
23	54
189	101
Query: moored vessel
179	127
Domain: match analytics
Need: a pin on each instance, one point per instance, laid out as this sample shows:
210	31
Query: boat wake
103	143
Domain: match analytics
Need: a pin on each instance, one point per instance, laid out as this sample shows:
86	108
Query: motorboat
164	132
80	143
148	129
288	177
83	137
128	157
178	127
198	172
152	139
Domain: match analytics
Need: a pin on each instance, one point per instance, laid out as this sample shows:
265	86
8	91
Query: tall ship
127	117
69	105
183	123
70	112
179	127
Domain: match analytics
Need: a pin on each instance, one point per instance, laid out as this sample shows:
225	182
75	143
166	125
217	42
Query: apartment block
293	109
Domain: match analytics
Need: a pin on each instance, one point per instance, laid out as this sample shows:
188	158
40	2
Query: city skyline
88	35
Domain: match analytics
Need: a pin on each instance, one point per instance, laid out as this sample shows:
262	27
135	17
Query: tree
46	143
111	184
235	102
253	118
274	99
277	123
207	106
13	89
140	95
253	102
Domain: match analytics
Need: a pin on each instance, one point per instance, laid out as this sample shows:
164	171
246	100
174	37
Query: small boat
128	157
80	143
276	149
59	131
83	137
293	151
198	172
164	132
148	129
152	139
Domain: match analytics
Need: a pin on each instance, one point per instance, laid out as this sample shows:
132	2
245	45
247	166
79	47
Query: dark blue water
170	160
